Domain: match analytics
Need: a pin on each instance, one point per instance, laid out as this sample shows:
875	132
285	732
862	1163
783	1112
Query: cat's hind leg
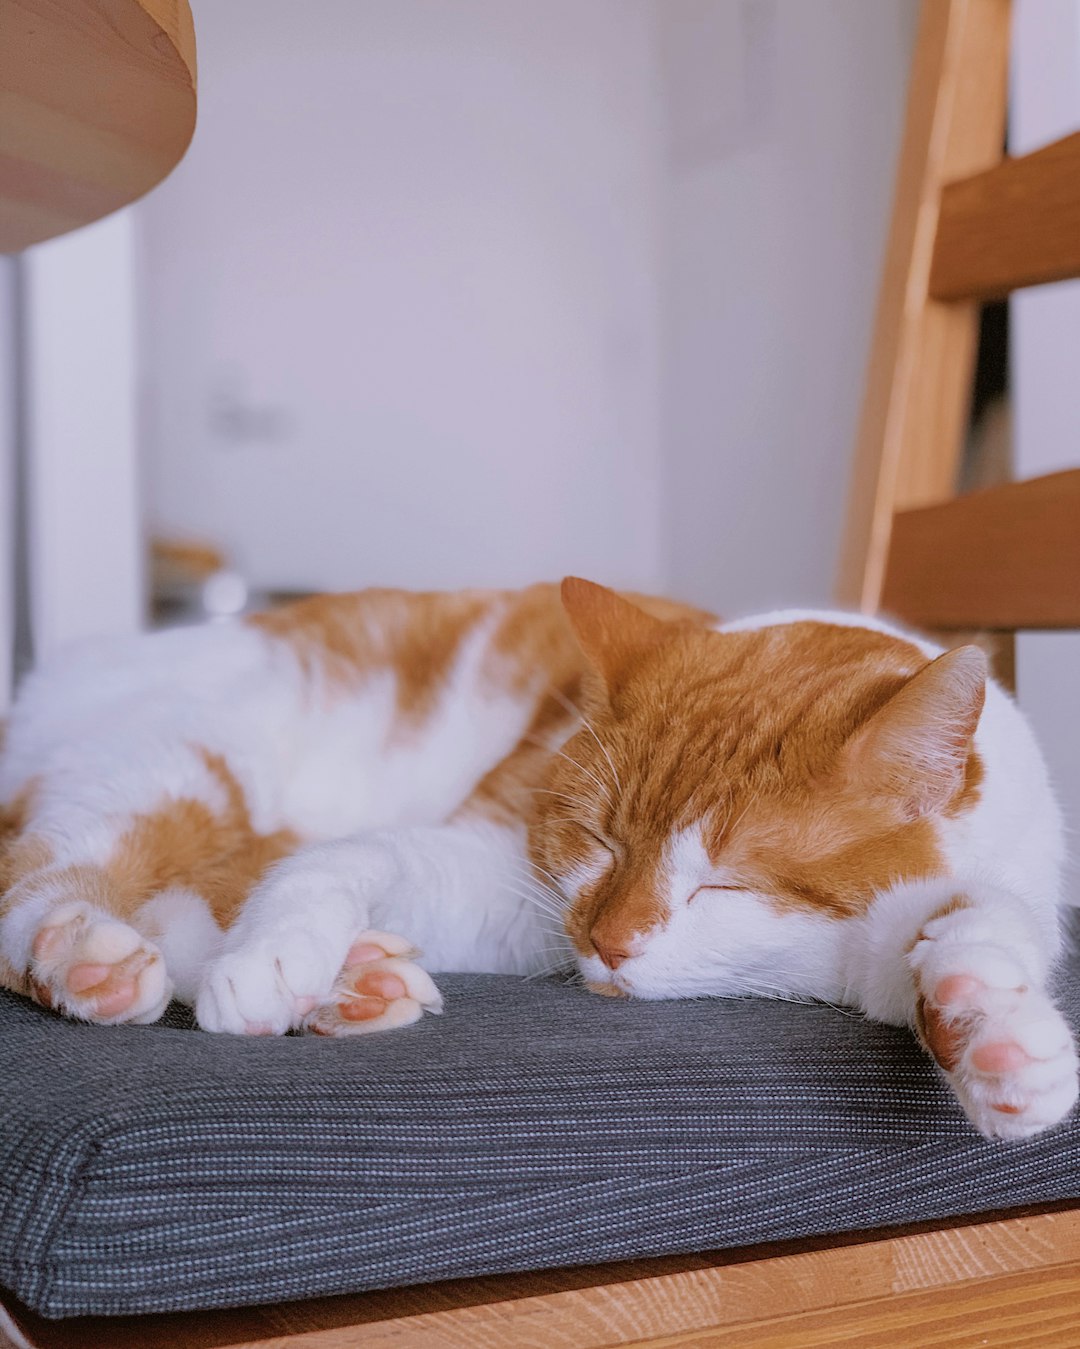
65	938
105	914
94	967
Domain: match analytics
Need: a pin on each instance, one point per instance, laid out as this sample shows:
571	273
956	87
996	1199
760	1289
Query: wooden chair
967	226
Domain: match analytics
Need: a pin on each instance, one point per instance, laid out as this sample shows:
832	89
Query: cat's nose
612	956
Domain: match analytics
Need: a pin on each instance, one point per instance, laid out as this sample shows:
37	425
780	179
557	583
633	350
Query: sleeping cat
271	819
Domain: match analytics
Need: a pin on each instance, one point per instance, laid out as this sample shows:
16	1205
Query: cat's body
265	819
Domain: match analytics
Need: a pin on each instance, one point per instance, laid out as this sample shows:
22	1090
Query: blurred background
478	292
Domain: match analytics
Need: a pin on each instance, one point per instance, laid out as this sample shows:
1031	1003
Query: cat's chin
606	990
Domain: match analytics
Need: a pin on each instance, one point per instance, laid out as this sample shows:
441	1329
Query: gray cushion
157	1169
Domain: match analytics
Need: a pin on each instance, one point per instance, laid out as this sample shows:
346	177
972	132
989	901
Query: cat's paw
267	985
379	988
96	968
1007	1051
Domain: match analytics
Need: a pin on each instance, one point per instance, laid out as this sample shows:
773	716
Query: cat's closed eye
719	889
601	842
589	836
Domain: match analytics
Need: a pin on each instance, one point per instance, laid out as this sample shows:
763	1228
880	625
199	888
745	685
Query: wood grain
919	378
1020	1311
743	1293
97	104
1015	225
1005	558
11	1337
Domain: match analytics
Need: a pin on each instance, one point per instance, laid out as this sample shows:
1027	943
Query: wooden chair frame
967	225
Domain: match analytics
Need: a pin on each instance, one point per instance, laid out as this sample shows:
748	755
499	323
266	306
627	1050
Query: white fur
182	927
117	729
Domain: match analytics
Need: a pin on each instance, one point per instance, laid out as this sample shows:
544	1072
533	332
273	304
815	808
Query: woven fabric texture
159	1168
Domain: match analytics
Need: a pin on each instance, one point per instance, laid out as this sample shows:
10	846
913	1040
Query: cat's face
736	795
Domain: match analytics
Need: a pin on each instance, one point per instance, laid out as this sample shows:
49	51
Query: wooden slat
97	104
1015	225
1006	558
732	1299
918	383
1016	1311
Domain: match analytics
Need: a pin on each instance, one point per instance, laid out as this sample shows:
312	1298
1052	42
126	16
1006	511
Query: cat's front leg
317	942
976	961
983	1011
301	932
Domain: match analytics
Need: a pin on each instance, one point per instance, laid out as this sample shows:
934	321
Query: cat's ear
613	632
915	748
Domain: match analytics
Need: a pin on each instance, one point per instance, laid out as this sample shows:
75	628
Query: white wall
1046	392
784	120
401	298
84	524
453	291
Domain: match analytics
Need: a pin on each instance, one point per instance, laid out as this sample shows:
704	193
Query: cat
270	819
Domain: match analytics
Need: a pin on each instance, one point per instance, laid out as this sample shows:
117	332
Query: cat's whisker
563	966
589	727
551	876
565	819
759	988
545	902
573	800
602	786
590	775
530	876
526	875
553	934
537	902
729	827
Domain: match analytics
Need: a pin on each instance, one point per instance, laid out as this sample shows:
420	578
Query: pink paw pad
111	989
956	988
373	990
91	965
80	978
48	942
1001	1057
361	952
379	988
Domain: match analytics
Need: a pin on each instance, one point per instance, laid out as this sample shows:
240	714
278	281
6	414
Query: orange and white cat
270	820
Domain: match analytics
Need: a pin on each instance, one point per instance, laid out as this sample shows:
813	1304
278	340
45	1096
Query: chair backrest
968	225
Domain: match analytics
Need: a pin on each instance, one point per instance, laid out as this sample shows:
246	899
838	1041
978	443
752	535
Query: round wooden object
97	104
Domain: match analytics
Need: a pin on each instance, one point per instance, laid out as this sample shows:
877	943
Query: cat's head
731	793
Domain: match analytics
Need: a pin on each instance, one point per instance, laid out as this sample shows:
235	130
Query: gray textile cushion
158	1169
